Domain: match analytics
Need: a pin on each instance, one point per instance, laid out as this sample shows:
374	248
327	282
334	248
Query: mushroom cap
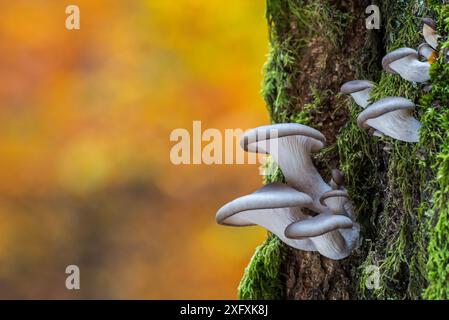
333	194
317	226
271	196
426	51
355	86
275	131
396	55
430	22
383	106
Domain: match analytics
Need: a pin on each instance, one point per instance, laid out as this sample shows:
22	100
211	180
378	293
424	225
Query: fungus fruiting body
334	236
392	116
291	145
429	32
406	63
359	90
427	52
326	227
274	207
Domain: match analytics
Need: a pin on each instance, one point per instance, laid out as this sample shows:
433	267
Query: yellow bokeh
85	119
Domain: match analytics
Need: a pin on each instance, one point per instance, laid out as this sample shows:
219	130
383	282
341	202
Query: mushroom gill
406	63
274	207
429	32
291	145
360	91
392	116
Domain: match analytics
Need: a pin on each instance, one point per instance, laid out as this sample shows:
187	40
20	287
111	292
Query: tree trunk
398	189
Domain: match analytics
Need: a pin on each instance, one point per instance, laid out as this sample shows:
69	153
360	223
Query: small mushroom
339	199
291	146
392	116
427	52
359	90
406	63
274	207
334	236
429	32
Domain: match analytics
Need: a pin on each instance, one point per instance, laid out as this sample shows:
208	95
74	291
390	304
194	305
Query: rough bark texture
399	190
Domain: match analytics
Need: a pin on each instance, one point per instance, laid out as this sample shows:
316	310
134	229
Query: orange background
85	119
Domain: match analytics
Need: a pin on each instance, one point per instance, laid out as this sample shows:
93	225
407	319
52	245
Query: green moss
391	198
262	278
399	190
309	19
436	140
292	24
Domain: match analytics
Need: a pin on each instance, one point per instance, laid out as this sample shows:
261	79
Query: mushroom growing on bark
406	63
334	236
359	90
274	207
427	52
392	116
291	145
429	32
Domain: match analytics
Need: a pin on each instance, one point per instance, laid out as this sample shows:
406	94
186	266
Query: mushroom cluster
414	65
306	213
393	116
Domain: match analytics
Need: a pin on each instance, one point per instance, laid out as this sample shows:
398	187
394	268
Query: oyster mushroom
429	32
274	207
334	236
427	52
406	63
392	116
359	90
291	145
339	199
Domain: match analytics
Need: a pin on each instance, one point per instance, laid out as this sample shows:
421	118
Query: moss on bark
400	191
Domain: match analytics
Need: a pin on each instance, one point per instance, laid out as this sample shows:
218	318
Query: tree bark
316	46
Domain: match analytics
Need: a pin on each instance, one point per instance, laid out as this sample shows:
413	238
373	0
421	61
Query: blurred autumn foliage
85	118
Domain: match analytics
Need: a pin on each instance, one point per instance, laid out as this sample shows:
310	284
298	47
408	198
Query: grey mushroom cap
333	194
360	91
280	130
336	200
429	32
430	22
397	55
355	86
271	196
392	116
274	207
334	236
426	51
382	107
317	226
405	62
